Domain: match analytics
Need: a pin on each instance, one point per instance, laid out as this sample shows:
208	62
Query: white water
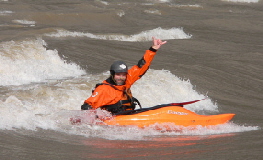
49	97
26	22
165	34
23	62
42	106
5	12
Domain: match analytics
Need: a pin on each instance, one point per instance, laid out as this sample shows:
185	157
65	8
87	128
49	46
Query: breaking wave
165	34
24	62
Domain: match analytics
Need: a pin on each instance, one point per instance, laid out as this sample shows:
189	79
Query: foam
120	13
165	34
24	62
51	106
168	88
153	12
2	13
26	22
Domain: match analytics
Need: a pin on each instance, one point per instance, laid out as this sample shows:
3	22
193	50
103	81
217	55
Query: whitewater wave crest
165	34
24	62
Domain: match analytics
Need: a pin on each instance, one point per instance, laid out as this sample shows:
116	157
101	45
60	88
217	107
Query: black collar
110	80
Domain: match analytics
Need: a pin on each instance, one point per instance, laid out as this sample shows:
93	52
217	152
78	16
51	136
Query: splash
173	33
136	133
52	105
120	13
25	22
24	62
153	11
3	13
168	88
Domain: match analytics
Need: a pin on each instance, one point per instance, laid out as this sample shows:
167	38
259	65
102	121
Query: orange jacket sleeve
136	72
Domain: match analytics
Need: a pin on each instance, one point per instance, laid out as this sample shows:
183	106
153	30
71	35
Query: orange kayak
175	115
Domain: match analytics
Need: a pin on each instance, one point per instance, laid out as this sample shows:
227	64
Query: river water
52	53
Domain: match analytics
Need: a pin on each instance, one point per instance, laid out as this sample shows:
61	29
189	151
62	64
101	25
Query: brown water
53	53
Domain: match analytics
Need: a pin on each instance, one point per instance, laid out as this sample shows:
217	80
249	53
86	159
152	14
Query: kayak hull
175	115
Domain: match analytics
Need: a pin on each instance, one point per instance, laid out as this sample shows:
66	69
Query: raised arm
137	71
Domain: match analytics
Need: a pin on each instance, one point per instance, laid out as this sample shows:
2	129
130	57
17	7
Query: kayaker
114	94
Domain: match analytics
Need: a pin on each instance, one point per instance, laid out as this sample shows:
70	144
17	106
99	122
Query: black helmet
118	67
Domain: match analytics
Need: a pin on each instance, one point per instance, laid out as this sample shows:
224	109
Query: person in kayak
114	94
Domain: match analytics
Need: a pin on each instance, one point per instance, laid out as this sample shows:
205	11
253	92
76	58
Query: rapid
53	53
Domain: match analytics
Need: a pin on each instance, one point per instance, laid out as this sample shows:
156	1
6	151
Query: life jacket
128	102
123	100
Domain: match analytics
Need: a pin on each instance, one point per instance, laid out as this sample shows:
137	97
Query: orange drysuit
107	94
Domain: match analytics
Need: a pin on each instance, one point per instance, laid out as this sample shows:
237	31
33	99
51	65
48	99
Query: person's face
120	78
